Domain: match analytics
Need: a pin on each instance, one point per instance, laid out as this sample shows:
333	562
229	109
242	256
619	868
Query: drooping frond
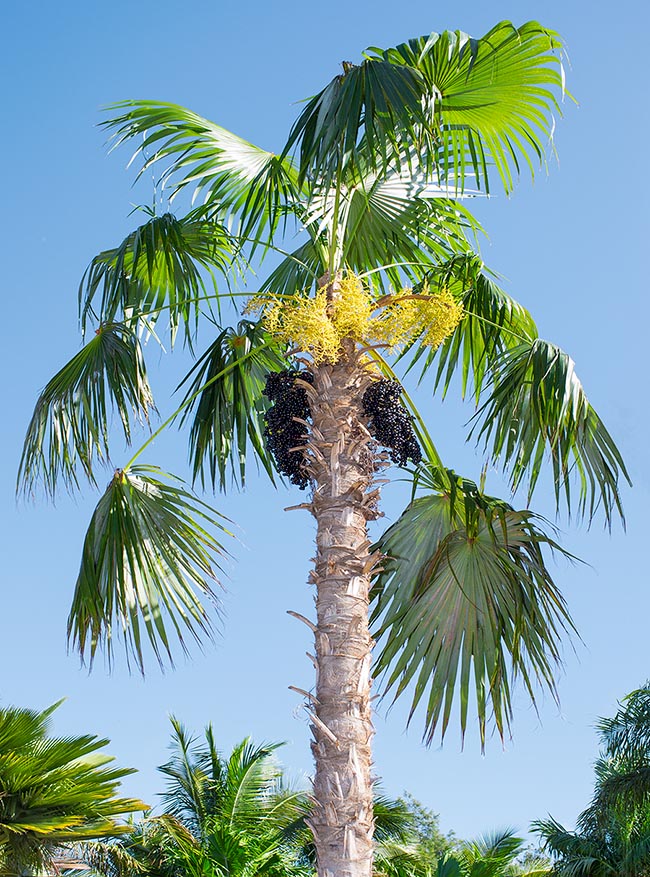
537	408
459	103
228	409
156	273
627	734
147	563
465	601
375	99
298	272
69	428
228	173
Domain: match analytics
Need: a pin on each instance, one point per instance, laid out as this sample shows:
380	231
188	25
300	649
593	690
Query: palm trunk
342	467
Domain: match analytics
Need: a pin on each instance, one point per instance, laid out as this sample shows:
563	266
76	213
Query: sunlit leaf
249	184
228	413
493	322
55	790
538	408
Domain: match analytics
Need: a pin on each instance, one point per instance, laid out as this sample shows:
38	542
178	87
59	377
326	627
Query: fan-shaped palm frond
147	561
538	406
157	268
465	592
70	424
401	213
376	99
228	412
459	102
53	790
490	100
298	271
231	175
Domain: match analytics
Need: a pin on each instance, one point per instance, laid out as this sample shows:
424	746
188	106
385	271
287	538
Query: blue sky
570	247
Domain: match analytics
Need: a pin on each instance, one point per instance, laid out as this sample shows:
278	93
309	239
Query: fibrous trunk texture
342	464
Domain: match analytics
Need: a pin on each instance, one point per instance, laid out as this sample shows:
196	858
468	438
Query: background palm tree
613	832
372	177
499	854
236	816
53	791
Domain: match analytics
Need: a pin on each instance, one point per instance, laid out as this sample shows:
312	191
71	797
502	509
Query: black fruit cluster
390	423
282	432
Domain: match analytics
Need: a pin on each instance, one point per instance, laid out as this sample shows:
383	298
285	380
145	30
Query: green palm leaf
229	412
298	271
538	406
459	103
147	562
465	592
70	424
398	214
229	173
376	99
490	100
157	268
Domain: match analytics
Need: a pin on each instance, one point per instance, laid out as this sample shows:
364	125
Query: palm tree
499	854
613	832
235	817
372	177
619	845
227	817
53	791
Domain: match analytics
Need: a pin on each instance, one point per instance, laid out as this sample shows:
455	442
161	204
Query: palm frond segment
157	272
69	429
538	407
149	558
465	602
227	172
228	411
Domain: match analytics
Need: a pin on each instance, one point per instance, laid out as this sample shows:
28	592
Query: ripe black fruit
282	432
390	423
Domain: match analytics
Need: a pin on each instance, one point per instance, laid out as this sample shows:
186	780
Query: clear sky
572	246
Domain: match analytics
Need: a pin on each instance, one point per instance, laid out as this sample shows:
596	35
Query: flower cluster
319	325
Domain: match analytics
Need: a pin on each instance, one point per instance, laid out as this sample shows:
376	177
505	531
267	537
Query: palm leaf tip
148	563
465	601
538	406
69	429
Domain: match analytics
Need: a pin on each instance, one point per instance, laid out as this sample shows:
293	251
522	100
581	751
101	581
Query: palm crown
373	176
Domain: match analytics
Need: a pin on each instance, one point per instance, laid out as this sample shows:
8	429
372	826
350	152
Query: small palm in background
613	832
54	791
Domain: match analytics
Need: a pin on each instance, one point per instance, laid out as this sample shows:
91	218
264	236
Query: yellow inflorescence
318	326
431	317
